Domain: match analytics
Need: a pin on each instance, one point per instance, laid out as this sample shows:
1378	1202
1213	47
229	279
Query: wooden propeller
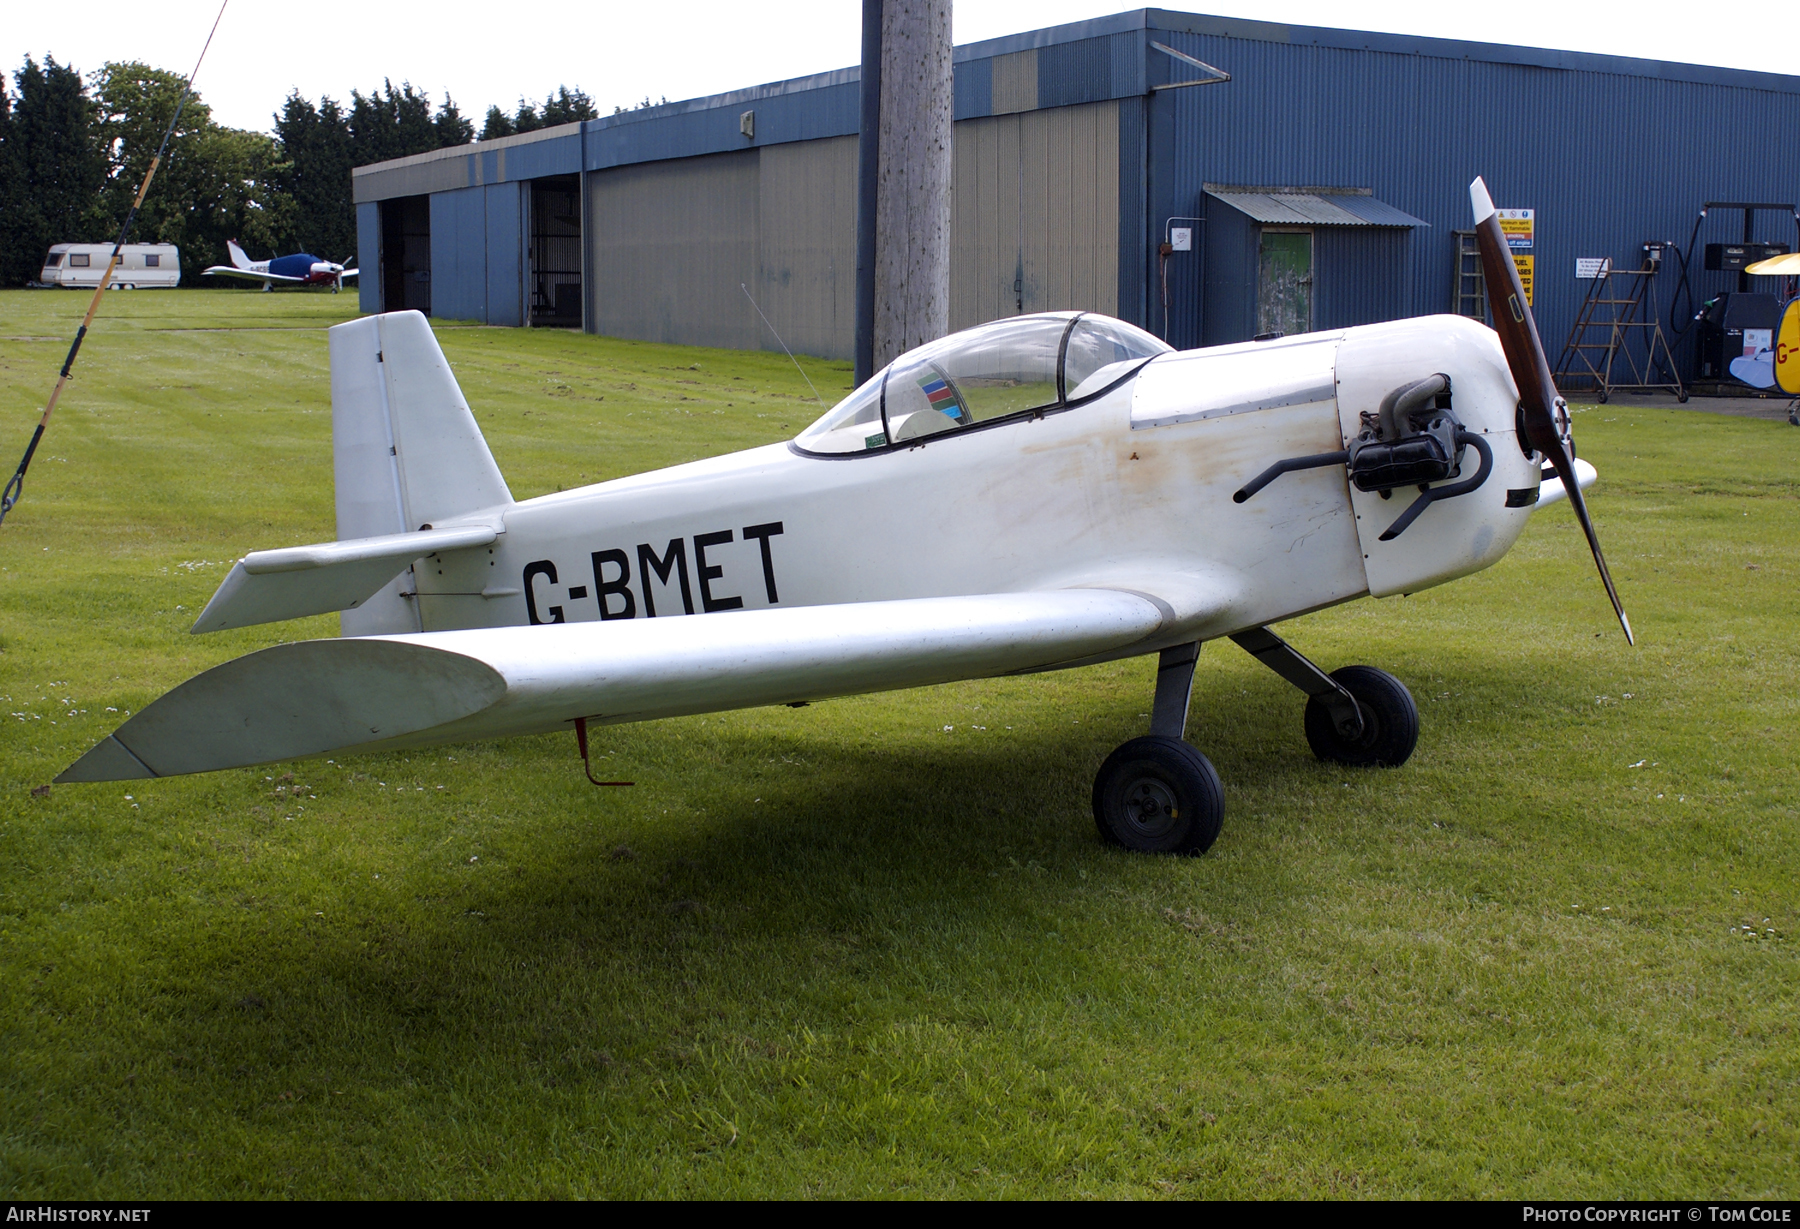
1540	404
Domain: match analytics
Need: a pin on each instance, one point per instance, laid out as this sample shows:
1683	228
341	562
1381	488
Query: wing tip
107	760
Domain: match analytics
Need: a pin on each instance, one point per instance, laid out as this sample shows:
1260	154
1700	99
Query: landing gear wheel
1390	721
1158	795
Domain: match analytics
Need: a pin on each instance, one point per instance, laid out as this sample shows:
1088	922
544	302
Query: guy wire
16	486
782	344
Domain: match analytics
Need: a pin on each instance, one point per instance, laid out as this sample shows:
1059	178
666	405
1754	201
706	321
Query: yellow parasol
1776	266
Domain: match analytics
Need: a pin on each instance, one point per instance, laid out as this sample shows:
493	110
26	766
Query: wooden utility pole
903	198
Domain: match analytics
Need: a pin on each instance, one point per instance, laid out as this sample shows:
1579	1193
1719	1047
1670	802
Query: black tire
1158	795
1390	721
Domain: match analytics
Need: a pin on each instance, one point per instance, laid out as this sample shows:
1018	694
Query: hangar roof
1088	61
1367	40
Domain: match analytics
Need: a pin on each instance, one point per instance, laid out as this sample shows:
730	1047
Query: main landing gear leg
1157	794
1357	715
1174	688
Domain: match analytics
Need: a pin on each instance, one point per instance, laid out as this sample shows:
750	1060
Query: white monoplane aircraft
1037	493
300	269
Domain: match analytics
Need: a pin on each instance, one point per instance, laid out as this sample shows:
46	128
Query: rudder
406	449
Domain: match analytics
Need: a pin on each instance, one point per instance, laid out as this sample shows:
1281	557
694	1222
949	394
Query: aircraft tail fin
407	452
238	258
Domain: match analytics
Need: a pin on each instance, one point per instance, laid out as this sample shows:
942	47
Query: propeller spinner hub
1565	426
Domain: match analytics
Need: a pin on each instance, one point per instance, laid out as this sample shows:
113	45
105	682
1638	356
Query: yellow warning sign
1519	226
1525	265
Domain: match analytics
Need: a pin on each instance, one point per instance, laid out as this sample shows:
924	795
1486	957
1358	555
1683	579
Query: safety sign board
1518	226
1525	264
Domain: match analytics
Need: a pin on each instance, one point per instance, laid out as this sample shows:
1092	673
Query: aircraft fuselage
1132	489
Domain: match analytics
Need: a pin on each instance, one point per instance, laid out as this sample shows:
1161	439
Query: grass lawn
874	946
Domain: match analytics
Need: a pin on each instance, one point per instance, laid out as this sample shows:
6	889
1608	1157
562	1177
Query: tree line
74	148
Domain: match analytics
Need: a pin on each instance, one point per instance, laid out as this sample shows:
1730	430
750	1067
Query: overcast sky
621	52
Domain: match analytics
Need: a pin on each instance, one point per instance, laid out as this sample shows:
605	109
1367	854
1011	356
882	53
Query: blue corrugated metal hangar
1324	185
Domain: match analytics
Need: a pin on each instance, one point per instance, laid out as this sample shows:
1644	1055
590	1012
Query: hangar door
1034	215
478	260
674	244
673	247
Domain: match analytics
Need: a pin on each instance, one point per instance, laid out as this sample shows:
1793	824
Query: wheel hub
1151	804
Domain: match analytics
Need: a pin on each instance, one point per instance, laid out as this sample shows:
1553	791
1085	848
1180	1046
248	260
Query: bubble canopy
1010	369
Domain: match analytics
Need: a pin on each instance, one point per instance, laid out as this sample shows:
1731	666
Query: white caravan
142	266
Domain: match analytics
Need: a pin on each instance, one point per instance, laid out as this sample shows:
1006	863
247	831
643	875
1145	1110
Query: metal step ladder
1617	344
1468	291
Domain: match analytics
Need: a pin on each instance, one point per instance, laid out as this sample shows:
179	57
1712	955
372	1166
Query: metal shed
1324	185
1267	246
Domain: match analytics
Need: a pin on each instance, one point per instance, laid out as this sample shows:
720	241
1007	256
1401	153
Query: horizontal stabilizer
295	581
376	693
1552	491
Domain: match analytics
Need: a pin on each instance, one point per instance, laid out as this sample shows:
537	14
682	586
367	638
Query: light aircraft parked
301	269
1033	494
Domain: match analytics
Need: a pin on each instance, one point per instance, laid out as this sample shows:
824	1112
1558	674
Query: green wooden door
1284	282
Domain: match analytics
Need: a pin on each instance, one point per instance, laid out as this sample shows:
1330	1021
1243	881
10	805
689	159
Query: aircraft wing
378	693
248	274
